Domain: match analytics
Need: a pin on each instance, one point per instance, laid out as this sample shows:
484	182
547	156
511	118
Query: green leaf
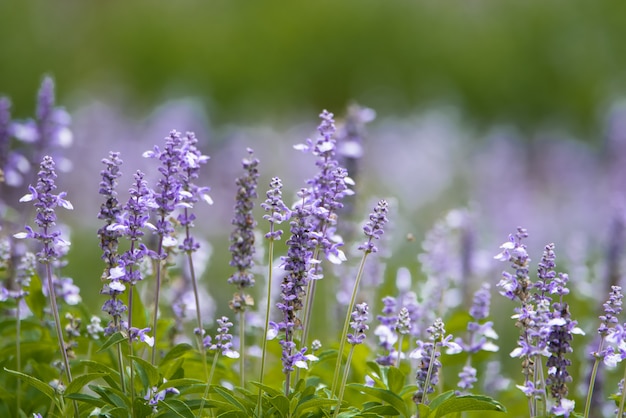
314	403
382	410
43	387
435	403
35	299
230	398
384	395
395	379
424	410
220	405
281	403
179	383
178	407
110	375
270	390
116	338
112	396
468	403
82	397
139	310
233	414
79	382
148	374
176	352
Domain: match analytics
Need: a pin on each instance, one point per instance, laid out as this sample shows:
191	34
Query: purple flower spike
223	339
277	211
515	252
46	203
373	229
358	324
242	237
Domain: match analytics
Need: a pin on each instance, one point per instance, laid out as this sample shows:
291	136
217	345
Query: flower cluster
242	237
358	324
223	339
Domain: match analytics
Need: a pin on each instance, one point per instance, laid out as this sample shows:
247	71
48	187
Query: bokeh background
512	111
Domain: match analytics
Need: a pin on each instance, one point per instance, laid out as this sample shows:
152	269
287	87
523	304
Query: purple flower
277	211
327	189
482	300
358	324
5	120
242	237
467	378
137	334
373	229
223	339
612	309
167	193
45	203
514	251
190	161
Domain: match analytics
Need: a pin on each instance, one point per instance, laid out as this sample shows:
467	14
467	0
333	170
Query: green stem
131	382
18	395
592	379
200	333
156	301
344	380
346	323
208	384
57	323
623	398
242	345
267	318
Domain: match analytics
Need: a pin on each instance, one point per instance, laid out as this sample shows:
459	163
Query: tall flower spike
277	211
110	211
5	119
242	237
45	203
373	229
358	324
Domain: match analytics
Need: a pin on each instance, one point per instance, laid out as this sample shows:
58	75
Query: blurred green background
529	63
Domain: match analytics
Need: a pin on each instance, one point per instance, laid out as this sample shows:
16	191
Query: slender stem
200	332
57	323
242	345
18	395
400	338
308	304
346	323
344	380
429	373
131	382
267	318
623	398
156	300
592	379
208	384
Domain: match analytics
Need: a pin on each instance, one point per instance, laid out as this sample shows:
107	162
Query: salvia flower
242	238
374	227
277	211
327	189
223	340
45	203
190	161
515	252
358	324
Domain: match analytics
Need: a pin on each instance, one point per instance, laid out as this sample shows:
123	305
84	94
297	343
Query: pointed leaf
270	390
441	398
110	375
314	403
35	299
229	397
178	407
43	387
82	397
395	379
116	338
79	382
112	396
384	395
281	403
176	352
147	372
468	403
